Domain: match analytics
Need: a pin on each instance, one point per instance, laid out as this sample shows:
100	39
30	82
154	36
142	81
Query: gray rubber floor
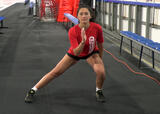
30	48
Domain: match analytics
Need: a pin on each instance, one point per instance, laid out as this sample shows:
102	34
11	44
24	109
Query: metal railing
138	17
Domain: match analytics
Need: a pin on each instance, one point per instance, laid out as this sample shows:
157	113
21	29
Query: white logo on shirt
91	43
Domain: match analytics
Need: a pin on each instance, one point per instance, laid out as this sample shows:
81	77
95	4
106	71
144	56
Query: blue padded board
71	18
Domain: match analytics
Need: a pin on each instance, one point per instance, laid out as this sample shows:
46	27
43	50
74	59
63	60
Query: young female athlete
86	41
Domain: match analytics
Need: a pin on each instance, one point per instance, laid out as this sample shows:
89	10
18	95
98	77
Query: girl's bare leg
97	64
60	68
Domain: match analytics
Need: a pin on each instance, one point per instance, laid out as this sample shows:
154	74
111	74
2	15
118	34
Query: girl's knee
100	73
103	76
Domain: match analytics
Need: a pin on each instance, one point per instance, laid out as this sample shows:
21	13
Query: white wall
6	3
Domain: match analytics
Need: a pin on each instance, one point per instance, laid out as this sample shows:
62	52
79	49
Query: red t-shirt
94	34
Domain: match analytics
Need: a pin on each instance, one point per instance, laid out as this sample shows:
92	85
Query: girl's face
84	15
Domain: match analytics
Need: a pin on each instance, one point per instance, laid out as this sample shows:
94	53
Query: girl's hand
83	35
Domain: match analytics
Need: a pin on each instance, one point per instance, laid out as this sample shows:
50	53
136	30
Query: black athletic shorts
85	57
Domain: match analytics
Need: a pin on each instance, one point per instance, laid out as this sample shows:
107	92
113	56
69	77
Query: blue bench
1	20
144	42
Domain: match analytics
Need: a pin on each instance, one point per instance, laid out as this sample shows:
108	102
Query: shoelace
32	92
100	92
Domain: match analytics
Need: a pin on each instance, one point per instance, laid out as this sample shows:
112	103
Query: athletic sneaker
99	96
29	96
